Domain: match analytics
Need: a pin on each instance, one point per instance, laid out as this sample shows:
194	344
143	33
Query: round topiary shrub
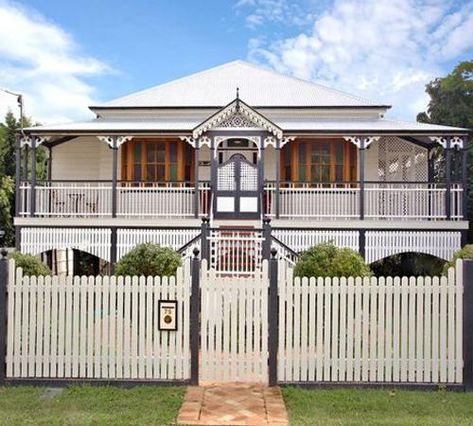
30	264
149	260
327	260
464	253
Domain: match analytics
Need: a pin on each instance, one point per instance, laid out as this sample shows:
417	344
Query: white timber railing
386	329
405	200
134	199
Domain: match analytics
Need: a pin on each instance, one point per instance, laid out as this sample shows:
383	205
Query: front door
237	189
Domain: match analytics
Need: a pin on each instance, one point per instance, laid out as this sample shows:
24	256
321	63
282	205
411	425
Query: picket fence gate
268	327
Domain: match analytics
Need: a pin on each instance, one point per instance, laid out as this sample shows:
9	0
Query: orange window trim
348	168
127	157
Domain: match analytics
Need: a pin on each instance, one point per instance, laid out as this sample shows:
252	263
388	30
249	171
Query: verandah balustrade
297	200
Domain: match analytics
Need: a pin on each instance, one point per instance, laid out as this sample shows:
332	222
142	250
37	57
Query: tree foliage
464	253
149	260
30	264
8	134
327	260
451	104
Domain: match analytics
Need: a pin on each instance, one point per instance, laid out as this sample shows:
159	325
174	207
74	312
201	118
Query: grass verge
88	405
377	407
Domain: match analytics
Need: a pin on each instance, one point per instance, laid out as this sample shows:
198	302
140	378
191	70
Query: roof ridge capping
191	91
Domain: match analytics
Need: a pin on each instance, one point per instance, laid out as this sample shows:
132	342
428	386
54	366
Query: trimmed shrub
30	264
149	260
327	260
464	253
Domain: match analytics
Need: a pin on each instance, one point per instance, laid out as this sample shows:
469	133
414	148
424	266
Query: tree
8	134
451	104
327	260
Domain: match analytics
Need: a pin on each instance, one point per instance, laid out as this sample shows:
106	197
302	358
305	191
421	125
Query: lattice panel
248	178
226	177
401	161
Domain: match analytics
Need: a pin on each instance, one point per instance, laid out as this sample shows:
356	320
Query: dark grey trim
380	385
468	324
3	313
58	141
124	383
361	171
196	178
278	178
465	178
204	241
114	175
273	320
266	246
33	177
17	175
195	318
113	249
415	141
362	243
317	107
448	178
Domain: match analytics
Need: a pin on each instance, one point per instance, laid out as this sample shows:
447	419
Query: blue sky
66	55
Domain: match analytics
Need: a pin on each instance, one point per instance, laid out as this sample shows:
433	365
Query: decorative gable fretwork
237	115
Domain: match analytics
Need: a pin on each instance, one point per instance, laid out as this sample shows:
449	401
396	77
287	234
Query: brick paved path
233	404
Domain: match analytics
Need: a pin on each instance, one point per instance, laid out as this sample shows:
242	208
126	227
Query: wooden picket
387	329
96	327
234	326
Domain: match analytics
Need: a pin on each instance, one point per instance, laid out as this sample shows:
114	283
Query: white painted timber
234	326
381	244
386	329
79	327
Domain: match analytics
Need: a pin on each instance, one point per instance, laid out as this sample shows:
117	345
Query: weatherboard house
230	147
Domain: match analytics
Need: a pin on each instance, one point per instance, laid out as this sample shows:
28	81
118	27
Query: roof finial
238	93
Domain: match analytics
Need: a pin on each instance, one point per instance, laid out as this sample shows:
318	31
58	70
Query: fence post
468	324
273	309
3	312
266	249
194	318
204	238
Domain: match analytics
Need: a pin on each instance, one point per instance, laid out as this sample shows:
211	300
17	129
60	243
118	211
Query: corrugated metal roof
288	125
259	87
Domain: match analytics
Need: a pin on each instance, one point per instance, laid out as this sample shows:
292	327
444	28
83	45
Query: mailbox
167	315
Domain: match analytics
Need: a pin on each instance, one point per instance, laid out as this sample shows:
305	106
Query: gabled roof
260	87
237	114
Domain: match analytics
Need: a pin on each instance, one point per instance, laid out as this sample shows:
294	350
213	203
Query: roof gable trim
235	115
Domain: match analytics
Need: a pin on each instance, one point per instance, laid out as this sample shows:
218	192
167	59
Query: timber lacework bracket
114	142
362	142
449	142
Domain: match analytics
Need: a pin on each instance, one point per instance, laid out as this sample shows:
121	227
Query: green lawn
86	405
377	407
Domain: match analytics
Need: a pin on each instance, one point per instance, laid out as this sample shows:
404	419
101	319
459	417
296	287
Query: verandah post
33	177
273	309
114	175
362	177
448	177
3	313
266	249
278	177
468	324
194	329
113	249
465	178
196	179
204	238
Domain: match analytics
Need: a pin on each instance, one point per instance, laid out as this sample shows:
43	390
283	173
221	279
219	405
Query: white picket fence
96	327
370	330
234	326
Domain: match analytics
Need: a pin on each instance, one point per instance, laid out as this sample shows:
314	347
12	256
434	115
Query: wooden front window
157	160
319	161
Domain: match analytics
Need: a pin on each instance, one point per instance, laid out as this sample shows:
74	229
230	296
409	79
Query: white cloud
386	50
42	61
275	11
